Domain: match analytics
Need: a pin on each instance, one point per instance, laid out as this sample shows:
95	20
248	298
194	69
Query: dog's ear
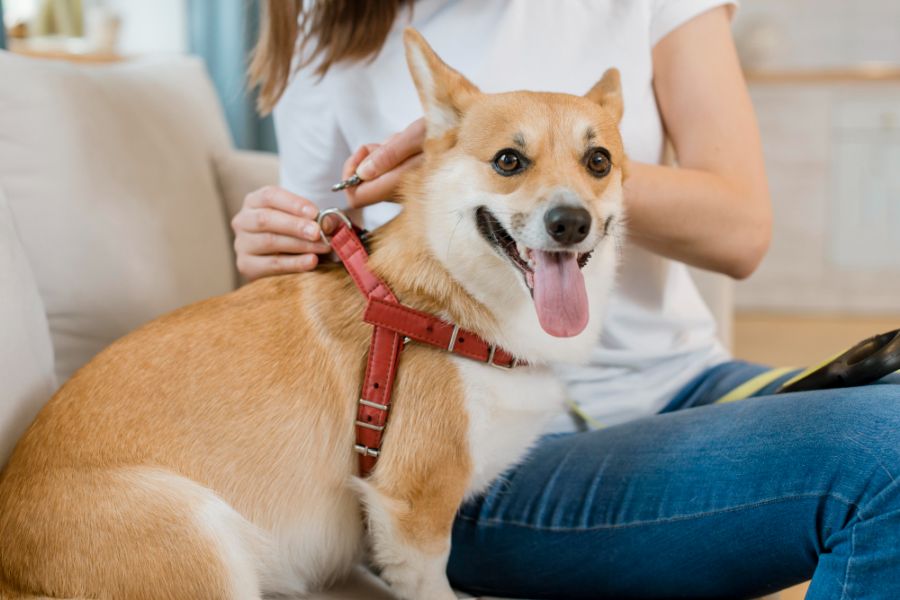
608	93
445	94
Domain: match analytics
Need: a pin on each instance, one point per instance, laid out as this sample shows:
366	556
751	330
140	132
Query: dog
209	454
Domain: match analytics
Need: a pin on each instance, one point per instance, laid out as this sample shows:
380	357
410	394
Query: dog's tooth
522	250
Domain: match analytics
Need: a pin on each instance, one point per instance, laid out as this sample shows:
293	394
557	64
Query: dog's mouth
554	278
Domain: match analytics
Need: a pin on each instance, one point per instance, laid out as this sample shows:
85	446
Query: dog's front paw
413	584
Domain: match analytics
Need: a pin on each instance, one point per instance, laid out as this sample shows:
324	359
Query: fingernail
366	169
311	230
309	212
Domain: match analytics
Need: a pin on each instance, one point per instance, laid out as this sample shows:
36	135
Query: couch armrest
239	172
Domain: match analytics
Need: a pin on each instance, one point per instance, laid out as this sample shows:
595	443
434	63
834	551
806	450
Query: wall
151	26
823	33
831	144
830	152
148	26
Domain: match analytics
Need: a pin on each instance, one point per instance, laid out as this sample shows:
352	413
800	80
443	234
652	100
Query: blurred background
824	75
104	31
825	79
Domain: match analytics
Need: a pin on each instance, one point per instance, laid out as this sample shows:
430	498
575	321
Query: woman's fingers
357	157
270	220
276	232
253	267
382	188
273	243
283	200
393	152
380	165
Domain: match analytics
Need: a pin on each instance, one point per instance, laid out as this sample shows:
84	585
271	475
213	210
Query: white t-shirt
658	333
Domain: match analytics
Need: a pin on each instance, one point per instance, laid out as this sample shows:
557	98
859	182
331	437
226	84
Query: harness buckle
371	404
321	219
366	451
490	360
453	337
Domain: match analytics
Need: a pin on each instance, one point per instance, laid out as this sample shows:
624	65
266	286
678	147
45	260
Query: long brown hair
338	29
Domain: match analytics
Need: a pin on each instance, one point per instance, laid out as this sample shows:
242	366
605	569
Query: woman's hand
276	232
381	166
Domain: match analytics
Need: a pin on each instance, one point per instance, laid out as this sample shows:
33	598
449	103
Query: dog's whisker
459	218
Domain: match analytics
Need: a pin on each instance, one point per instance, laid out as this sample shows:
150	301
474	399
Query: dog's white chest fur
507	410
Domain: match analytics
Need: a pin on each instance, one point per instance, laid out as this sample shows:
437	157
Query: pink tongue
559	294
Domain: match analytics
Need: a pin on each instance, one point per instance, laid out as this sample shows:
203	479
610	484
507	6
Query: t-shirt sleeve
311	146
668	15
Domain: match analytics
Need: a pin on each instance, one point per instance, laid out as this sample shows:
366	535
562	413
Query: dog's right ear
445	94
608	93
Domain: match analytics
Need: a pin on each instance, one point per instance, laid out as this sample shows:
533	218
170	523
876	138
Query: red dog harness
395	325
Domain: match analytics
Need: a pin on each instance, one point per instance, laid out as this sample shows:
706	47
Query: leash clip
321	220
352	181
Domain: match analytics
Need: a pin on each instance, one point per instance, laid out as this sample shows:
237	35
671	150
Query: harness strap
374	402
428	329
394	324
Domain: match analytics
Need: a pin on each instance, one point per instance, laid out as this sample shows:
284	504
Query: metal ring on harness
321	219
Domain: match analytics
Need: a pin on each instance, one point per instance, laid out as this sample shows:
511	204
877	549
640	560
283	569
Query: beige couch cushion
108	172
241	172
26	354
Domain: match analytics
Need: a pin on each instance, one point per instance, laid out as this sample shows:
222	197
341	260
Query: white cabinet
865	200
833	160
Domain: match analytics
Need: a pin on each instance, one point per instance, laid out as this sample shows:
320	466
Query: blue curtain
2	29
223	33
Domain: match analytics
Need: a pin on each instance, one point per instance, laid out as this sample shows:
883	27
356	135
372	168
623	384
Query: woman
725	500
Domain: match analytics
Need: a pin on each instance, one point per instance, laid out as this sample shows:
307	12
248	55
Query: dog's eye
598	162
509	162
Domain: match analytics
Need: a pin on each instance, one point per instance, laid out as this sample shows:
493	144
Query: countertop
854	74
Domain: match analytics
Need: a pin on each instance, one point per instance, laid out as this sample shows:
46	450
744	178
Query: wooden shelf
22	48
860	74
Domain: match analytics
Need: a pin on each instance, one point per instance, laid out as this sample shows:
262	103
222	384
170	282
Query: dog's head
522	191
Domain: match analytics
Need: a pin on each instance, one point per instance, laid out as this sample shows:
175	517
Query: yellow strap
741	392
753	385
588	419
808	371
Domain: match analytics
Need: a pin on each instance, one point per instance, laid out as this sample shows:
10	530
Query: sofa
117	185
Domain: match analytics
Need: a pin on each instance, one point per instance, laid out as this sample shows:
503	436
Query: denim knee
860	429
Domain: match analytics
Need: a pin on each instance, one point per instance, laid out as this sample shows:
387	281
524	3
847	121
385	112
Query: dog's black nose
567	224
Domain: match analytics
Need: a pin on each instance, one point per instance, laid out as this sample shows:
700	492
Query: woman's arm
276	231
713	211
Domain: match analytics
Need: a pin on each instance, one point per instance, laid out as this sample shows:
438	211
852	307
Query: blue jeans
703	501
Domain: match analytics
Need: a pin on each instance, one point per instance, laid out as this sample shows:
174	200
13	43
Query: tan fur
240	409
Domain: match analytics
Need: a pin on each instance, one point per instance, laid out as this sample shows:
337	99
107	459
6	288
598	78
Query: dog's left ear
608	93
445	94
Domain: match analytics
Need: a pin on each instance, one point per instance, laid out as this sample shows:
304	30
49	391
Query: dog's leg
410	538
423	472
132	534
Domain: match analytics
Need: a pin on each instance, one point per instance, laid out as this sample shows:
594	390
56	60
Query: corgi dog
210	454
